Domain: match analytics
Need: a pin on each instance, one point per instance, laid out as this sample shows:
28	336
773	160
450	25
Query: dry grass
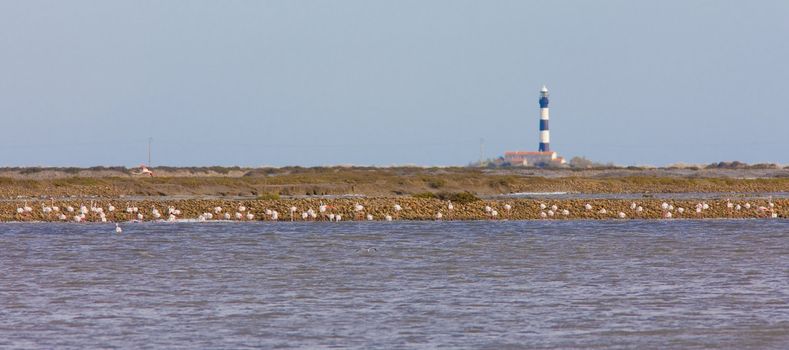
377	182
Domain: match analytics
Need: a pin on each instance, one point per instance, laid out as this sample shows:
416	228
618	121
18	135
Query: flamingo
439	216
565	212
554	207
622	215
110	208
543	215
369	217
358	208
388	217
603	211
639	209
226	216
551	213
588	206
239	216
542	206
450	206
250	216
507	207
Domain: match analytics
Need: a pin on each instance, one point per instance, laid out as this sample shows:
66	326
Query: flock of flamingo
326	213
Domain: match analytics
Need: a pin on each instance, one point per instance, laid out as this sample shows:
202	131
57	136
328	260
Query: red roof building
522	158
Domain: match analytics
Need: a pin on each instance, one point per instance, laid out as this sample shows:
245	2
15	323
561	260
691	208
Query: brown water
555	285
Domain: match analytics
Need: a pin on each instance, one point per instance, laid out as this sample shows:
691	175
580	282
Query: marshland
451	193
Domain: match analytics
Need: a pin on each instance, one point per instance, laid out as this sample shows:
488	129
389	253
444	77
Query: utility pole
481	150
150	139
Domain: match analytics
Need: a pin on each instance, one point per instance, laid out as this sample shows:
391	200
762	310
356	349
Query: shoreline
412	209
389	182
285	222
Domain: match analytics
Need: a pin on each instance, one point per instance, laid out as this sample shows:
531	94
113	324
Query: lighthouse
544	156
545	136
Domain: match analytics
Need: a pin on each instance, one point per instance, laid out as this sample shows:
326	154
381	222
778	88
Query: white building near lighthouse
543	156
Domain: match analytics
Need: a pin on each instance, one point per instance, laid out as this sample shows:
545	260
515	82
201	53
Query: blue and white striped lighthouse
544	156
545	136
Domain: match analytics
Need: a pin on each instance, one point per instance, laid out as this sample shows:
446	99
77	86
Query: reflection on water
628	284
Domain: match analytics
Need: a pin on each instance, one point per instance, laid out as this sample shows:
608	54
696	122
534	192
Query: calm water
578	284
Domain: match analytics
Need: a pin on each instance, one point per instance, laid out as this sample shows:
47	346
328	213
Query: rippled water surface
539	284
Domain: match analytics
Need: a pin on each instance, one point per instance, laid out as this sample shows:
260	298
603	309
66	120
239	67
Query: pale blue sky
367	82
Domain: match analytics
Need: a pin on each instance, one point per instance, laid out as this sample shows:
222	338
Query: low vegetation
387	182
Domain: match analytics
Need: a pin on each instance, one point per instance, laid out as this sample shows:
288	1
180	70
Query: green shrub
268	197
436	183
425	195
458	197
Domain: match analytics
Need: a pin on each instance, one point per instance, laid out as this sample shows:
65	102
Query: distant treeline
68	170
577	163
581	163
740	165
